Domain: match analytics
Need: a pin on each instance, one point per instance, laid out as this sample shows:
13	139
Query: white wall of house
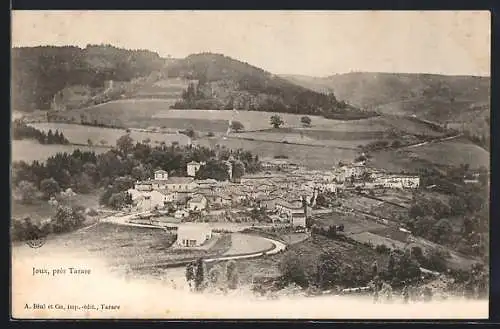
192	168
161	175
298	220
197	205
193	235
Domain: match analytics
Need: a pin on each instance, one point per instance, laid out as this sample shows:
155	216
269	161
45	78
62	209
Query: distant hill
40	73
463	101
226	83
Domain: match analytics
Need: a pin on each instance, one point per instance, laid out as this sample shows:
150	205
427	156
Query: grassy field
30	150
311	137
457	152
312	156
244	244
375	240
352	224
81	134
157	112
447	153
42	209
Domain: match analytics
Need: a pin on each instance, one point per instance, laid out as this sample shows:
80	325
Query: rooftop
179	180
197	198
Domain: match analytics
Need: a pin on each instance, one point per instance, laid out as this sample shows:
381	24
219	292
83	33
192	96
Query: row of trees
21	130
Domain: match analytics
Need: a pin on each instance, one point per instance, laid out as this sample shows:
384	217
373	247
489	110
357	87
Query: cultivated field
80	134
30	150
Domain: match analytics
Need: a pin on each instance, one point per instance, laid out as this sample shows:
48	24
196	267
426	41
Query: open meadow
446	153
80	134
314	157
31	150
142	113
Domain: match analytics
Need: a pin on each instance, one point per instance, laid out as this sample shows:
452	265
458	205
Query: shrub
382	249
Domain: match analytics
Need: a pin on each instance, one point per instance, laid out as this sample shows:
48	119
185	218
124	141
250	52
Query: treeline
251	88
20	130
117	169
38	73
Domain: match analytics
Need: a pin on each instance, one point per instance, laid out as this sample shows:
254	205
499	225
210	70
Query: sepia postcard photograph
250	164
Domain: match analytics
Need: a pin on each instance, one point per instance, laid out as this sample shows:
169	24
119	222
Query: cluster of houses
287	195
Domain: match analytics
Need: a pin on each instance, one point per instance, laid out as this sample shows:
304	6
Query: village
284	194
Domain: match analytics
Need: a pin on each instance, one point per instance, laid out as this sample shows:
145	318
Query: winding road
243	246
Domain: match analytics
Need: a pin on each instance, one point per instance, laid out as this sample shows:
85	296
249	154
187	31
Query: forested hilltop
39	73
65	78
226	83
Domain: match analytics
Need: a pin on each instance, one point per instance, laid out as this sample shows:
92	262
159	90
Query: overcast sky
315	43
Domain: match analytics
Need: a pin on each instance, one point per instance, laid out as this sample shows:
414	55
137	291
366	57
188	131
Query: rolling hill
462	101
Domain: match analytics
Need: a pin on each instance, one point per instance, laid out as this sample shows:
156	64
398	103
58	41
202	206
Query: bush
382	249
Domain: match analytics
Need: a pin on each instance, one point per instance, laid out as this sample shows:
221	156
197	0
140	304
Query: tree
50	137
238	170
213	276
118	200
327	271
66	219
27	192
125	144
276	121
231	275
190	273
391	264
306	121
395	144
83	183
293	270
90	169
49	187
199	275
237	126
217	170
441	231
189	132
139	173
436	260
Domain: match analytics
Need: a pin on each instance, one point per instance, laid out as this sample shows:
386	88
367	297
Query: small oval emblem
36	240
